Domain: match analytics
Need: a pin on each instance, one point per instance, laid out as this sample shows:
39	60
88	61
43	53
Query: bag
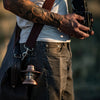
11	85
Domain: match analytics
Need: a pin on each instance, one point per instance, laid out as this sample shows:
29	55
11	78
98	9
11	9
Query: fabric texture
8	60
53	60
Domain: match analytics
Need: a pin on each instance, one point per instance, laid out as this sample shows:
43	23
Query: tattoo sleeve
30	11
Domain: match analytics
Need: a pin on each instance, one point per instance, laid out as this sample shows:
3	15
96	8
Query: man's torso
48	33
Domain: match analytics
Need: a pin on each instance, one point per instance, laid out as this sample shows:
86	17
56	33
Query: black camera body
80	7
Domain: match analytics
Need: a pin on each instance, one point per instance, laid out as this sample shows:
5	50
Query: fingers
82	34
71	26
81	27
84	28
78	17
81	30
92	20
79	34
91	32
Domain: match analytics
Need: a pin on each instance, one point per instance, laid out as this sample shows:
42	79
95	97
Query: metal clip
24	54
17	55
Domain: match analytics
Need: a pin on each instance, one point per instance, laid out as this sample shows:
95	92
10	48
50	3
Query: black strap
17	35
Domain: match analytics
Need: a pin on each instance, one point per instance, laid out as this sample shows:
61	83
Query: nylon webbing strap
36	29
17	36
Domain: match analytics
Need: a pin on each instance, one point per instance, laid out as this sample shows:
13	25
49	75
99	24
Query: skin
68	24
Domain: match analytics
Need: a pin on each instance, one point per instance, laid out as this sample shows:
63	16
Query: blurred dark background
86	55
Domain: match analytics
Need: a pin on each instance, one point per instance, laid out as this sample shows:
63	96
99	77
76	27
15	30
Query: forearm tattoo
30	11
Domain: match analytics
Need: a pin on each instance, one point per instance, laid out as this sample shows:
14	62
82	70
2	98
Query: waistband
49	44
52	44
41	46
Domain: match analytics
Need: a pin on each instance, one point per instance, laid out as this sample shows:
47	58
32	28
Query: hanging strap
36	29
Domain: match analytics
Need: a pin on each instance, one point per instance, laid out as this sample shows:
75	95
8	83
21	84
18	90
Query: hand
70	25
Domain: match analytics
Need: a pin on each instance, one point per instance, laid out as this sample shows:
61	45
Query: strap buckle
24	54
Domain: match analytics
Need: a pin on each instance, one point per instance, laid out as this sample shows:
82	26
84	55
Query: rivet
61	36
46	45
58	46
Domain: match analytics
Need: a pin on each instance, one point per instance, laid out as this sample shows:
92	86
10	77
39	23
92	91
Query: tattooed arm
30	11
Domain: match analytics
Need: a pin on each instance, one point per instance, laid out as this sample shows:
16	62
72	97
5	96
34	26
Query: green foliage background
86	55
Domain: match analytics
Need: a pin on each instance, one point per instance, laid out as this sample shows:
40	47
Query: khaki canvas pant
54	62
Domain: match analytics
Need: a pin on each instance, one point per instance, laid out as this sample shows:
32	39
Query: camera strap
36	29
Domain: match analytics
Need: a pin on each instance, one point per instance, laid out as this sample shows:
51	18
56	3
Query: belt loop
68	46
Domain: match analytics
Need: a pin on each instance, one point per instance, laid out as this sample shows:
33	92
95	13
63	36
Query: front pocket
54	50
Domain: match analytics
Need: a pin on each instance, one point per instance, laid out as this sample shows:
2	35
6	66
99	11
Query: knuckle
75	30
82	38
74	15
85	35
78	25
